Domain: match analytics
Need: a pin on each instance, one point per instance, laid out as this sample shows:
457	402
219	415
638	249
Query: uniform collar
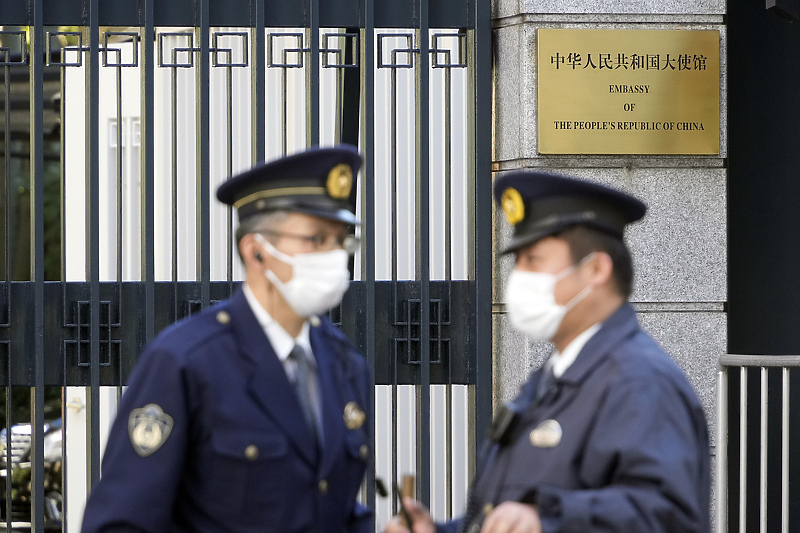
282	343
621	325
561	361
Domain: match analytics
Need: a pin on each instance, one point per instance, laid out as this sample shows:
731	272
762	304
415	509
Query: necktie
545	382
305	385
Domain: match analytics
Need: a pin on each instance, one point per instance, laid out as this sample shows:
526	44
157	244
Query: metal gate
121	117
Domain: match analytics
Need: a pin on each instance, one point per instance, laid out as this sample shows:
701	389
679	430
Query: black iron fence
119	119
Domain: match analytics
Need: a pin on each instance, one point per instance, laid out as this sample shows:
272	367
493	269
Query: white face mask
319	279
531	303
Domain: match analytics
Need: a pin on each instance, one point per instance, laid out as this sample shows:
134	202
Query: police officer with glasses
608	436
253	415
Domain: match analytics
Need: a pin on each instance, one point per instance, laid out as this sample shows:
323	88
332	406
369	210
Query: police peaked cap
318	182
539	204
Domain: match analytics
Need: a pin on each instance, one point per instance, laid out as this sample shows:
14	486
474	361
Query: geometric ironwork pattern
71	55
441	53
116	53
181	56
108	347
443	47
5	51
290	57
225	57
407	53
407	344
334	48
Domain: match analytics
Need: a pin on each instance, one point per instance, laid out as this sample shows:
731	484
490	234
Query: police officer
253	415
608	436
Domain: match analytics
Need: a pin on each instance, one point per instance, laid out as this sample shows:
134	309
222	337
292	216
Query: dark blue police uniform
210	435
239	456
633	452
617	443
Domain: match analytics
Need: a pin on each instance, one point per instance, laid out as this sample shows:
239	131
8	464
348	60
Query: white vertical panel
75	438
75	460
74	419
440	484
185	201
75	170
384	444
402	442
404	142
460	429
240	139
406	431
74	146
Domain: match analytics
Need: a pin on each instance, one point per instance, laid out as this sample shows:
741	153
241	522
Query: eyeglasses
321	241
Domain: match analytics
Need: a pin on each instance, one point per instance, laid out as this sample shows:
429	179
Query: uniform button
223	317
314	321
323	486
363	451
251	452
488	508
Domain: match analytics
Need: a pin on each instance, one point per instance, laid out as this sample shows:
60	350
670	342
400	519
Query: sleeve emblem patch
148	429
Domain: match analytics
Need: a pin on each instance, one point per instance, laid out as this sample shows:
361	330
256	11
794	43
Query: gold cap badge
353	416
148	428
513	206
340	181
546	435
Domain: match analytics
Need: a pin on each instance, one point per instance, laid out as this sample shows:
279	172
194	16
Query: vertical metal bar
338	102
722	450
785	452
481	91
229	169
312	76
9	456
8	277
395	301
393	157
448	276
92	231
423	248
148	167
448	171
258	83
65	471
36	263
7	192
203	155
368	200
743	447
174	185
284	110
762	478
118	154
7	268
120	198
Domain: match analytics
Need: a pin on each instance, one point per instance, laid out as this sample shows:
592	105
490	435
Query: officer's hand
423	523
513	517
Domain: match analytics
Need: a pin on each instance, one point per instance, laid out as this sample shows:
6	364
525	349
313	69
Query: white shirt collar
282	343
561	361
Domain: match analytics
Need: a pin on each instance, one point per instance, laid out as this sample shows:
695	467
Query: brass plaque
628	91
